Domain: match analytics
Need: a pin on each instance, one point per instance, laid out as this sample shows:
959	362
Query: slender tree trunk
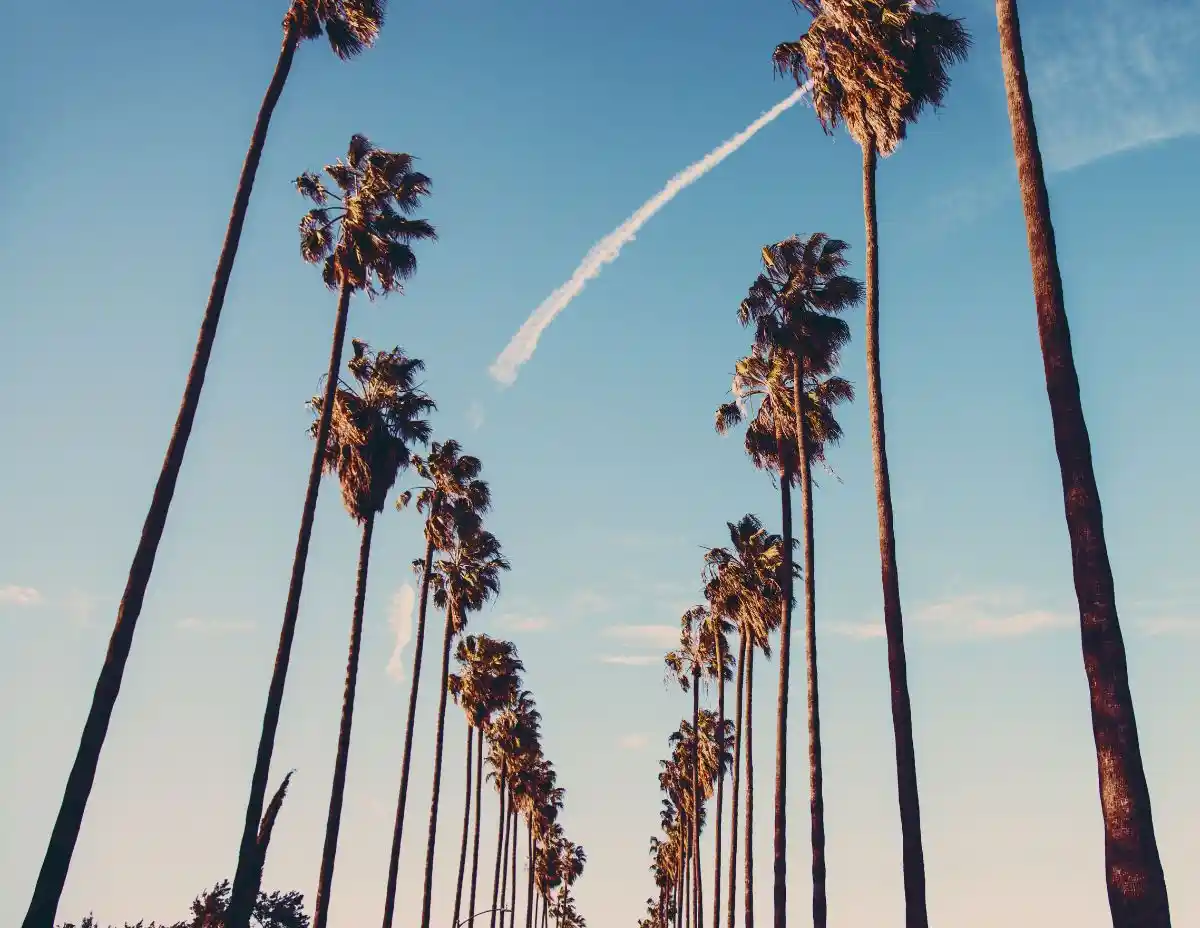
785	670
736	784
499	842
719	641
681	909
57	861
688	910
389	904
505	841
529	891
698	915
431	843
466	832
478	818
749	850
337	792
916	914
512	892
1137	889
816	796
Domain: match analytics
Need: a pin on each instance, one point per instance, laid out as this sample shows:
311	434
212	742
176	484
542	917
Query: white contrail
605	251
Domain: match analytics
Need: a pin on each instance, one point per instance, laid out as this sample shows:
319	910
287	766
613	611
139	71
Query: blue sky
543	127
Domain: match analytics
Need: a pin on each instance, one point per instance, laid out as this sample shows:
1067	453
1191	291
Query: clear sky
544	125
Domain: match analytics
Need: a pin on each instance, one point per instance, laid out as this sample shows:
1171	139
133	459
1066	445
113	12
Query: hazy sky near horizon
544	126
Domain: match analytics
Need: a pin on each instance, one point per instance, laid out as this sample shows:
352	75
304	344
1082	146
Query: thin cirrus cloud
631	660
657	636
520	622
400	619
991	615
634	741
13	595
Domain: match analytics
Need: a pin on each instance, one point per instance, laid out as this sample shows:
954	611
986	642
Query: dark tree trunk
816	796
1137	889
503	789
737	781
697	901
529	891
916	914
720	655
337	792
505	841
478	818
749	850
57	861
515	828
389	904
785	670
431	842
466	833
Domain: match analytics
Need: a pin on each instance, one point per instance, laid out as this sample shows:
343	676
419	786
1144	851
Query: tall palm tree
351	26
685	665
1137	889
714	633
464	579
875	65
452	484
748	578
372	430
488	679
511	734
363	245
794	306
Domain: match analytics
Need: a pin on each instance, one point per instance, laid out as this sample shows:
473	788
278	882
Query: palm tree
685	665
875	65
351	26
511	734
368	443
363	244
714	633
452	484
488	679
748	580
794	306
463	581
1137	890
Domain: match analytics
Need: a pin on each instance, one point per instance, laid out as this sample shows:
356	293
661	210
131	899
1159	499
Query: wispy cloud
657	636
1001	614
634	741
588	602
13	595
521	622
211	626
859	631
1113	77
475	415
631	660
400	613
1170	626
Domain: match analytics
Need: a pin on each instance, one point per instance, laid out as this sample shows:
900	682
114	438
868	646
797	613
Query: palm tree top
874	64
350	25
362	236
468	576
452	492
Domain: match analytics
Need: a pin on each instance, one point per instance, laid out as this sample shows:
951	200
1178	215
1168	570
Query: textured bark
529	889
466	832
478	818
720	655
779	895
241	898
337	793
431	842
697	899
503	789
52	876
1137	890
515	828
816	793
749	850
737	782
506	842
916	915
389	903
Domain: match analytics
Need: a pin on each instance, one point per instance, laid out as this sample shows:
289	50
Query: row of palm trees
874	66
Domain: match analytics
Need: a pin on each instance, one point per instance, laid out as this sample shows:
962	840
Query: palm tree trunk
499	842
505	841
389	904
57	861
241	897
816	793
478	818
431	843
337	793
916	914
736	784
529	891
698	916
1137	890
719	639
681	908
466	832
785	670
512	892
687	885
749	850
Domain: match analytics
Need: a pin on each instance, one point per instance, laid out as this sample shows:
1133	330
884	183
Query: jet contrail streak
520	349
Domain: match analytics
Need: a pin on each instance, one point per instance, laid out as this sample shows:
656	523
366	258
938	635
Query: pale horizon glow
522	346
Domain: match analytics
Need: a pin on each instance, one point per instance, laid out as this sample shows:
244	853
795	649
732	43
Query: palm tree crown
350	25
